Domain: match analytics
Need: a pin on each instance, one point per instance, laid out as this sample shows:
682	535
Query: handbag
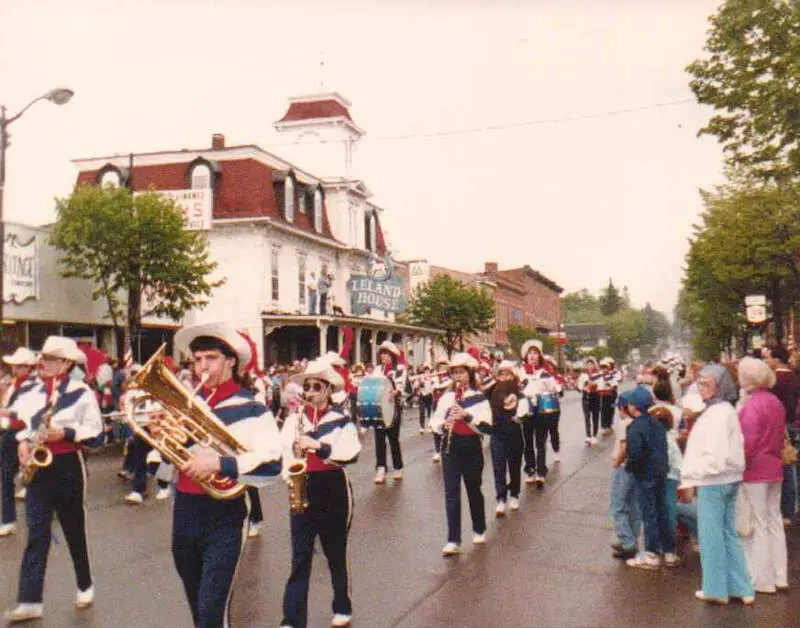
788	451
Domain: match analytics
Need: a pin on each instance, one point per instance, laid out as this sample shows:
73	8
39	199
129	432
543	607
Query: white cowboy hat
221	331
63	347
320	369
507	365
528	345
606	362
463	360
21	357
333	358
388	345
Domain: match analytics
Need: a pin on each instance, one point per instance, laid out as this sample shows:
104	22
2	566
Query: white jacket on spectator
715	449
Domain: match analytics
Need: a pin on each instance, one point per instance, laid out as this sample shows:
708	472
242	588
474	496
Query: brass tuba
183	419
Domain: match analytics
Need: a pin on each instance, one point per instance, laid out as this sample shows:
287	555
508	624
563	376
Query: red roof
315	109
244	190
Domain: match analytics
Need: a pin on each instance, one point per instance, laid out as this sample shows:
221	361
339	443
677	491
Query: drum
374	402
548	403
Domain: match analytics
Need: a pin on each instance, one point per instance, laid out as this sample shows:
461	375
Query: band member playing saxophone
462	415
208	533
327	439
59	413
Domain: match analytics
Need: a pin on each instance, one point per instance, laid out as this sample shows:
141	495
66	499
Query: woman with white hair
763	422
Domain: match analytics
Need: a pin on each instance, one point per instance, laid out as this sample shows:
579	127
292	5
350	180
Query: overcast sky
583	193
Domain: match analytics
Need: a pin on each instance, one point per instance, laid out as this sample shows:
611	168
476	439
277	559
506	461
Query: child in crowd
624	507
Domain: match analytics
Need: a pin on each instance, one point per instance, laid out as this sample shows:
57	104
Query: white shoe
163	493
556	457
513	503
341	620
530	479
479	539
671	559
422	430
451	549
24	612
500	509
437	457
380	476
7	529
593	441
254	530
588	441
85	599
20	494
645	560
398	475
134	498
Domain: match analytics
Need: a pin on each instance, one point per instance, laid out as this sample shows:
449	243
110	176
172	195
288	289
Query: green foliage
581	307
446	303
518	334
610	300
750	78
135	250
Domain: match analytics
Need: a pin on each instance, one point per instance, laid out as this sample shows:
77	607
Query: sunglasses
315	387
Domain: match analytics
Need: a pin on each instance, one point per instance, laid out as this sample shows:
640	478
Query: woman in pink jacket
763	422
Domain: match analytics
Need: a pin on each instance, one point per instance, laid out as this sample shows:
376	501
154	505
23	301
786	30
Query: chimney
217	141
490	268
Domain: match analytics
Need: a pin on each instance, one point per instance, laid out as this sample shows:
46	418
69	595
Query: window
373	232
301	277
318	210
289	199
301	199
201	177
110	177
275	269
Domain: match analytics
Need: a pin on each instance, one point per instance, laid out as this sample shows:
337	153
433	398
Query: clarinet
460	389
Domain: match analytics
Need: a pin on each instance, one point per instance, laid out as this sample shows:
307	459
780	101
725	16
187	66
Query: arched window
288	199
201	177
110	177
318	210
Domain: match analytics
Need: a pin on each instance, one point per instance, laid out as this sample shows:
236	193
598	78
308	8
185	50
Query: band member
532	368
607	391
485	377
588	384
22	363
59	414
508	408
389	356
462	415
442	383
207	533
545	388
424	388
326	439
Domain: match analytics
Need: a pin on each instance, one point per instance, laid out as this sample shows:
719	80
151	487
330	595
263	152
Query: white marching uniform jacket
334	429
585	380
474	404
540	382
15	403
74	409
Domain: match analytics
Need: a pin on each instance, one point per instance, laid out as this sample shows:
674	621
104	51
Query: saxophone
298	481
40	455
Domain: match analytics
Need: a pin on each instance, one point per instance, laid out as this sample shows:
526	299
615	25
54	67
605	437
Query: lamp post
58	96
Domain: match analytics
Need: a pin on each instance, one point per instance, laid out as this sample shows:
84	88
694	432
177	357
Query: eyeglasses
316	387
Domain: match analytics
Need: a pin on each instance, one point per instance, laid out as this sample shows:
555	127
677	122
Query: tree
581	307
610	300
750	77
446	303
518	334
136	251
624	332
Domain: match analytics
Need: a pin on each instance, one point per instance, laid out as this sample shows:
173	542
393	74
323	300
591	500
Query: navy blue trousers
392	434
463	461
659	531
507	459
330	507
9	465
57	489
207	539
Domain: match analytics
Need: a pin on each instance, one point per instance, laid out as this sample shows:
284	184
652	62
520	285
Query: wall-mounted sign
383	291
756	306
20	267
197	206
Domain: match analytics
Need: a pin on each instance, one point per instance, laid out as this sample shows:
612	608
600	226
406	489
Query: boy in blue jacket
648	461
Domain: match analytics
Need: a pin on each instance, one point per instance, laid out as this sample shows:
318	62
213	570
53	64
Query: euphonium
183	419
298	481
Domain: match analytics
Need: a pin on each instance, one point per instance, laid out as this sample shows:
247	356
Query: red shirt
59	446
225	390
313	461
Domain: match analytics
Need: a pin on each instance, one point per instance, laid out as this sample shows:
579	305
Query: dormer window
370	231
318	210
301	199
202	174
201	177
110	175
288	199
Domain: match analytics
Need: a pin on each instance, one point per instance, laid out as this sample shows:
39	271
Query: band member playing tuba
462	415
59	413
207	533
327	439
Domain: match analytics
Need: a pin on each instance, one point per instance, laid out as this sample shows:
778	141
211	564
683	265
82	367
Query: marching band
216	442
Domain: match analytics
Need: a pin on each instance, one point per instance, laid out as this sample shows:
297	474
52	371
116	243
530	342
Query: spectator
323	287
311	286
763	423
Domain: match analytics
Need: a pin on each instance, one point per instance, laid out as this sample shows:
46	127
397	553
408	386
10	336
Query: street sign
756	314
755	299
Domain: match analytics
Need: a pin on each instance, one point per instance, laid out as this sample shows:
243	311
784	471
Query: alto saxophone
298	480
40	455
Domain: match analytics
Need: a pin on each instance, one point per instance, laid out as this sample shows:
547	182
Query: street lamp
58	96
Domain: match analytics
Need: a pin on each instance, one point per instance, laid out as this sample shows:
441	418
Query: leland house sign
380	291
20	267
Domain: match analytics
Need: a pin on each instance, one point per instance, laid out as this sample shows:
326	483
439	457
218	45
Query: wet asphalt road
548	565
